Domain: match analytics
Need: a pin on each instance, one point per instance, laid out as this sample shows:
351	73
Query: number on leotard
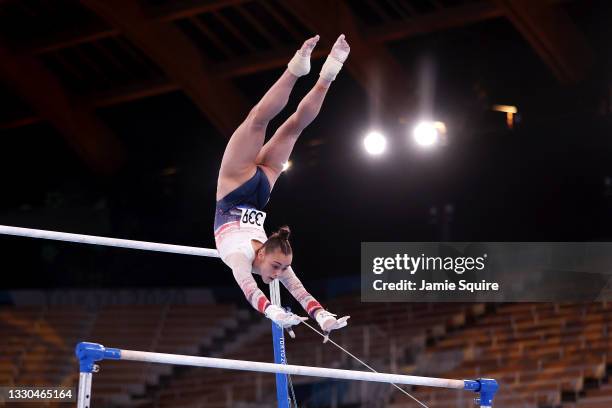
252	218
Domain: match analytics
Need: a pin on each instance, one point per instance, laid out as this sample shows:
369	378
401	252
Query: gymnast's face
273	264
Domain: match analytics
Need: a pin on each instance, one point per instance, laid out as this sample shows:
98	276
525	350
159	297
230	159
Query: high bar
106	241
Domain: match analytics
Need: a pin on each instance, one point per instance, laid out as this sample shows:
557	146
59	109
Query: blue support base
278	339
89	353
486	387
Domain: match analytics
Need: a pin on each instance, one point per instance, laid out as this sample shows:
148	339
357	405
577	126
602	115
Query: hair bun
279	241
283	233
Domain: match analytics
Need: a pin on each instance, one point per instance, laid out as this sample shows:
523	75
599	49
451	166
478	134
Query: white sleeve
295	286
242	270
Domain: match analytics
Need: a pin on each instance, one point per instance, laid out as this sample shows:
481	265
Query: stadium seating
544	355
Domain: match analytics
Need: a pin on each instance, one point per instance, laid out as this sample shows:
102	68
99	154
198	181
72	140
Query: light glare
427	134
375	143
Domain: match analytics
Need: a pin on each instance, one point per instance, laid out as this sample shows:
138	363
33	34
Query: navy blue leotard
253	193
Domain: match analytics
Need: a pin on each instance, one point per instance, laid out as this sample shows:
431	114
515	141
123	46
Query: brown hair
279	240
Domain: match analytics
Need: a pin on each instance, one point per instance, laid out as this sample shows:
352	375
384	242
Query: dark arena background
114	116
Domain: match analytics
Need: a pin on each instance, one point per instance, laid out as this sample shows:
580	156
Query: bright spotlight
375	143
428	134
287	165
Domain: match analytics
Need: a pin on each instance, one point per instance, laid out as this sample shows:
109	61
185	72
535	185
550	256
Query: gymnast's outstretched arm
241	268
326	320
293	284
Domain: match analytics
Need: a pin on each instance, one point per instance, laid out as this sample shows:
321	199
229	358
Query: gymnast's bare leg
239	160
278	149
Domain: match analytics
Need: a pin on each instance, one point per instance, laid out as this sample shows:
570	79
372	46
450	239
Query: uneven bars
105	241
89	353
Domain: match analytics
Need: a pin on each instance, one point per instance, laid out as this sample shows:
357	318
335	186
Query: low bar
89	353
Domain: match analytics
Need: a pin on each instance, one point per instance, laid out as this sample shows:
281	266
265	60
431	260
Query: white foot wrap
330	69
299	65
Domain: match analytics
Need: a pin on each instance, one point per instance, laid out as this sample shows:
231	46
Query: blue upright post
282	394
485	387
278	339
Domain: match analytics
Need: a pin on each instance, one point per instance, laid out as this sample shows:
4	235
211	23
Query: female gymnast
248	172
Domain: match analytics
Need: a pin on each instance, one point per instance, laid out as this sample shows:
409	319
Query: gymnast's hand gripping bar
89	353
